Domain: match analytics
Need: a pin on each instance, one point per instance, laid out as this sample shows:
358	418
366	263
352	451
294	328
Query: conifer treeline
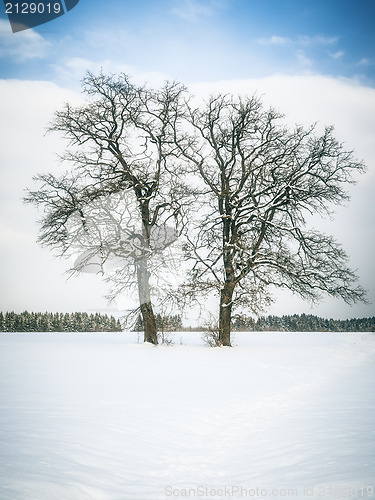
291	323
302	323
164	323
83	322
58	322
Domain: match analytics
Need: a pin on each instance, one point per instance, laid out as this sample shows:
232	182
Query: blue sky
312	59
192	40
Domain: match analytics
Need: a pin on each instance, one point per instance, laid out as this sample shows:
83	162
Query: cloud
27	107
365	62
337	55
303	59
301	52
23	45
316	40
10	235
193	10
30	277
312	98
302	40
275	40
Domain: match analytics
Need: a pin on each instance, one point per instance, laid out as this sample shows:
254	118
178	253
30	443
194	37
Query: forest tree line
58	322
83	322
285	323
164	323
302	323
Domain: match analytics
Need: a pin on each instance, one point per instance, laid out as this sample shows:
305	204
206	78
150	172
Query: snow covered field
100	417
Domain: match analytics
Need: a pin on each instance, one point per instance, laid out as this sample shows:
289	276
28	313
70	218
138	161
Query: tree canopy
261	182
140	157
121	199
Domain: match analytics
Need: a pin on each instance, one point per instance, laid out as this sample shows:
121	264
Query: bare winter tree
122	198
261	181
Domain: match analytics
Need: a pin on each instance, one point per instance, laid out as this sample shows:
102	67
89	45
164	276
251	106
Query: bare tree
261	181
122	195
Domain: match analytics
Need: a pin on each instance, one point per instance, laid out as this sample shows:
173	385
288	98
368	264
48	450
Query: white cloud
313	98
10	235
303	59
30	277
192	10
337	55
22	45
301	46
275	40
299	41
365	62
316	40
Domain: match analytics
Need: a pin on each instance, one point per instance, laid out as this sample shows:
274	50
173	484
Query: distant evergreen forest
83	322
58	322
302	323
164	323
294	323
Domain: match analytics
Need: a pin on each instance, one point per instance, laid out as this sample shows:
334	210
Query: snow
102	417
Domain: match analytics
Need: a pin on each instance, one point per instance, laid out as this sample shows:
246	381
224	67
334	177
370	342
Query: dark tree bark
225	315
143	279
150	333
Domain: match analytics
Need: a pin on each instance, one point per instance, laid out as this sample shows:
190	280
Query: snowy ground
100	417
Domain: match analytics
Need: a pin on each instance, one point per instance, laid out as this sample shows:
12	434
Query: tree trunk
225	315
147	312
143	274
